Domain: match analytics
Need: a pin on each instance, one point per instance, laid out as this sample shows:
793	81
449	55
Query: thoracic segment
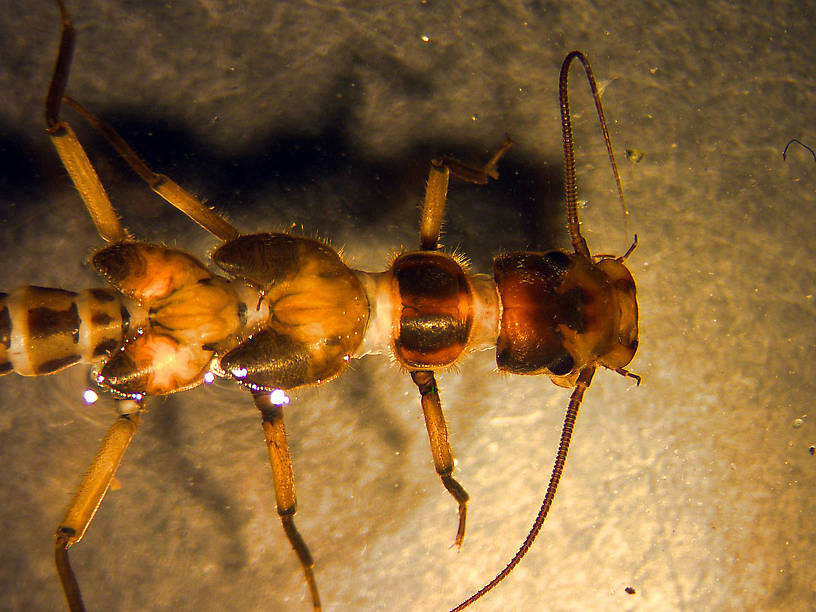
317	311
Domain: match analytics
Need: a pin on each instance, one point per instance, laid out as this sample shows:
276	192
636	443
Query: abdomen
44	330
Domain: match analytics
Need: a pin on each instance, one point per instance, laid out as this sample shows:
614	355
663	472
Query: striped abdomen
45	330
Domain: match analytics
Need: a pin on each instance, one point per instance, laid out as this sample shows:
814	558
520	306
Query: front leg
436	191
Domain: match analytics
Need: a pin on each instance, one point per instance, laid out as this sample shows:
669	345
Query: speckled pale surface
695	489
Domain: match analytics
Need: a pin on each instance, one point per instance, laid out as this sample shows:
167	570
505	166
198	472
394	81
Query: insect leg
90	494
433	210
82	172
436	191
284	479
68	147
161	184
440	447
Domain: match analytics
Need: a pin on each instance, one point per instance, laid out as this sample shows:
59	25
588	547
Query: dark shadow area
180	474
27	169
302	177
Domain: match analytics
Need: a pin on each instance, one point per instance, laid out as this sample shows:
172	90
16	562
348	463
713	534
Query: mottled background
695	489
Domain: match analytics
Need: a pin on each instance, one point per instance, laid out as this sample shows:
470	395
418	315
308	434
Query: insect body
286	312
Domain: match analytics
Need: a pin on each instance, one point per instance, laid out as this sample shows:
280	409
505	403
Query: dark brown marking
561	364
532	359
105	348
53	365
261	259
125	314
428	279
551	266
624	284
101	319
44	322
572	309
118	261
102	295
432	333
272	360
5	327
121	373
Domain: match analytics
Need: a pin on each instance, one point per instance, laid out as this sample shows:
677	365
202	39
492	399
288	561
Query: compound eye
562	364
558	261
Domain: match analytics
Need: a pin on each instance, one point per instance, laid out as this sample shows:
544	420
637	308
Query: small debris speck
633	155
